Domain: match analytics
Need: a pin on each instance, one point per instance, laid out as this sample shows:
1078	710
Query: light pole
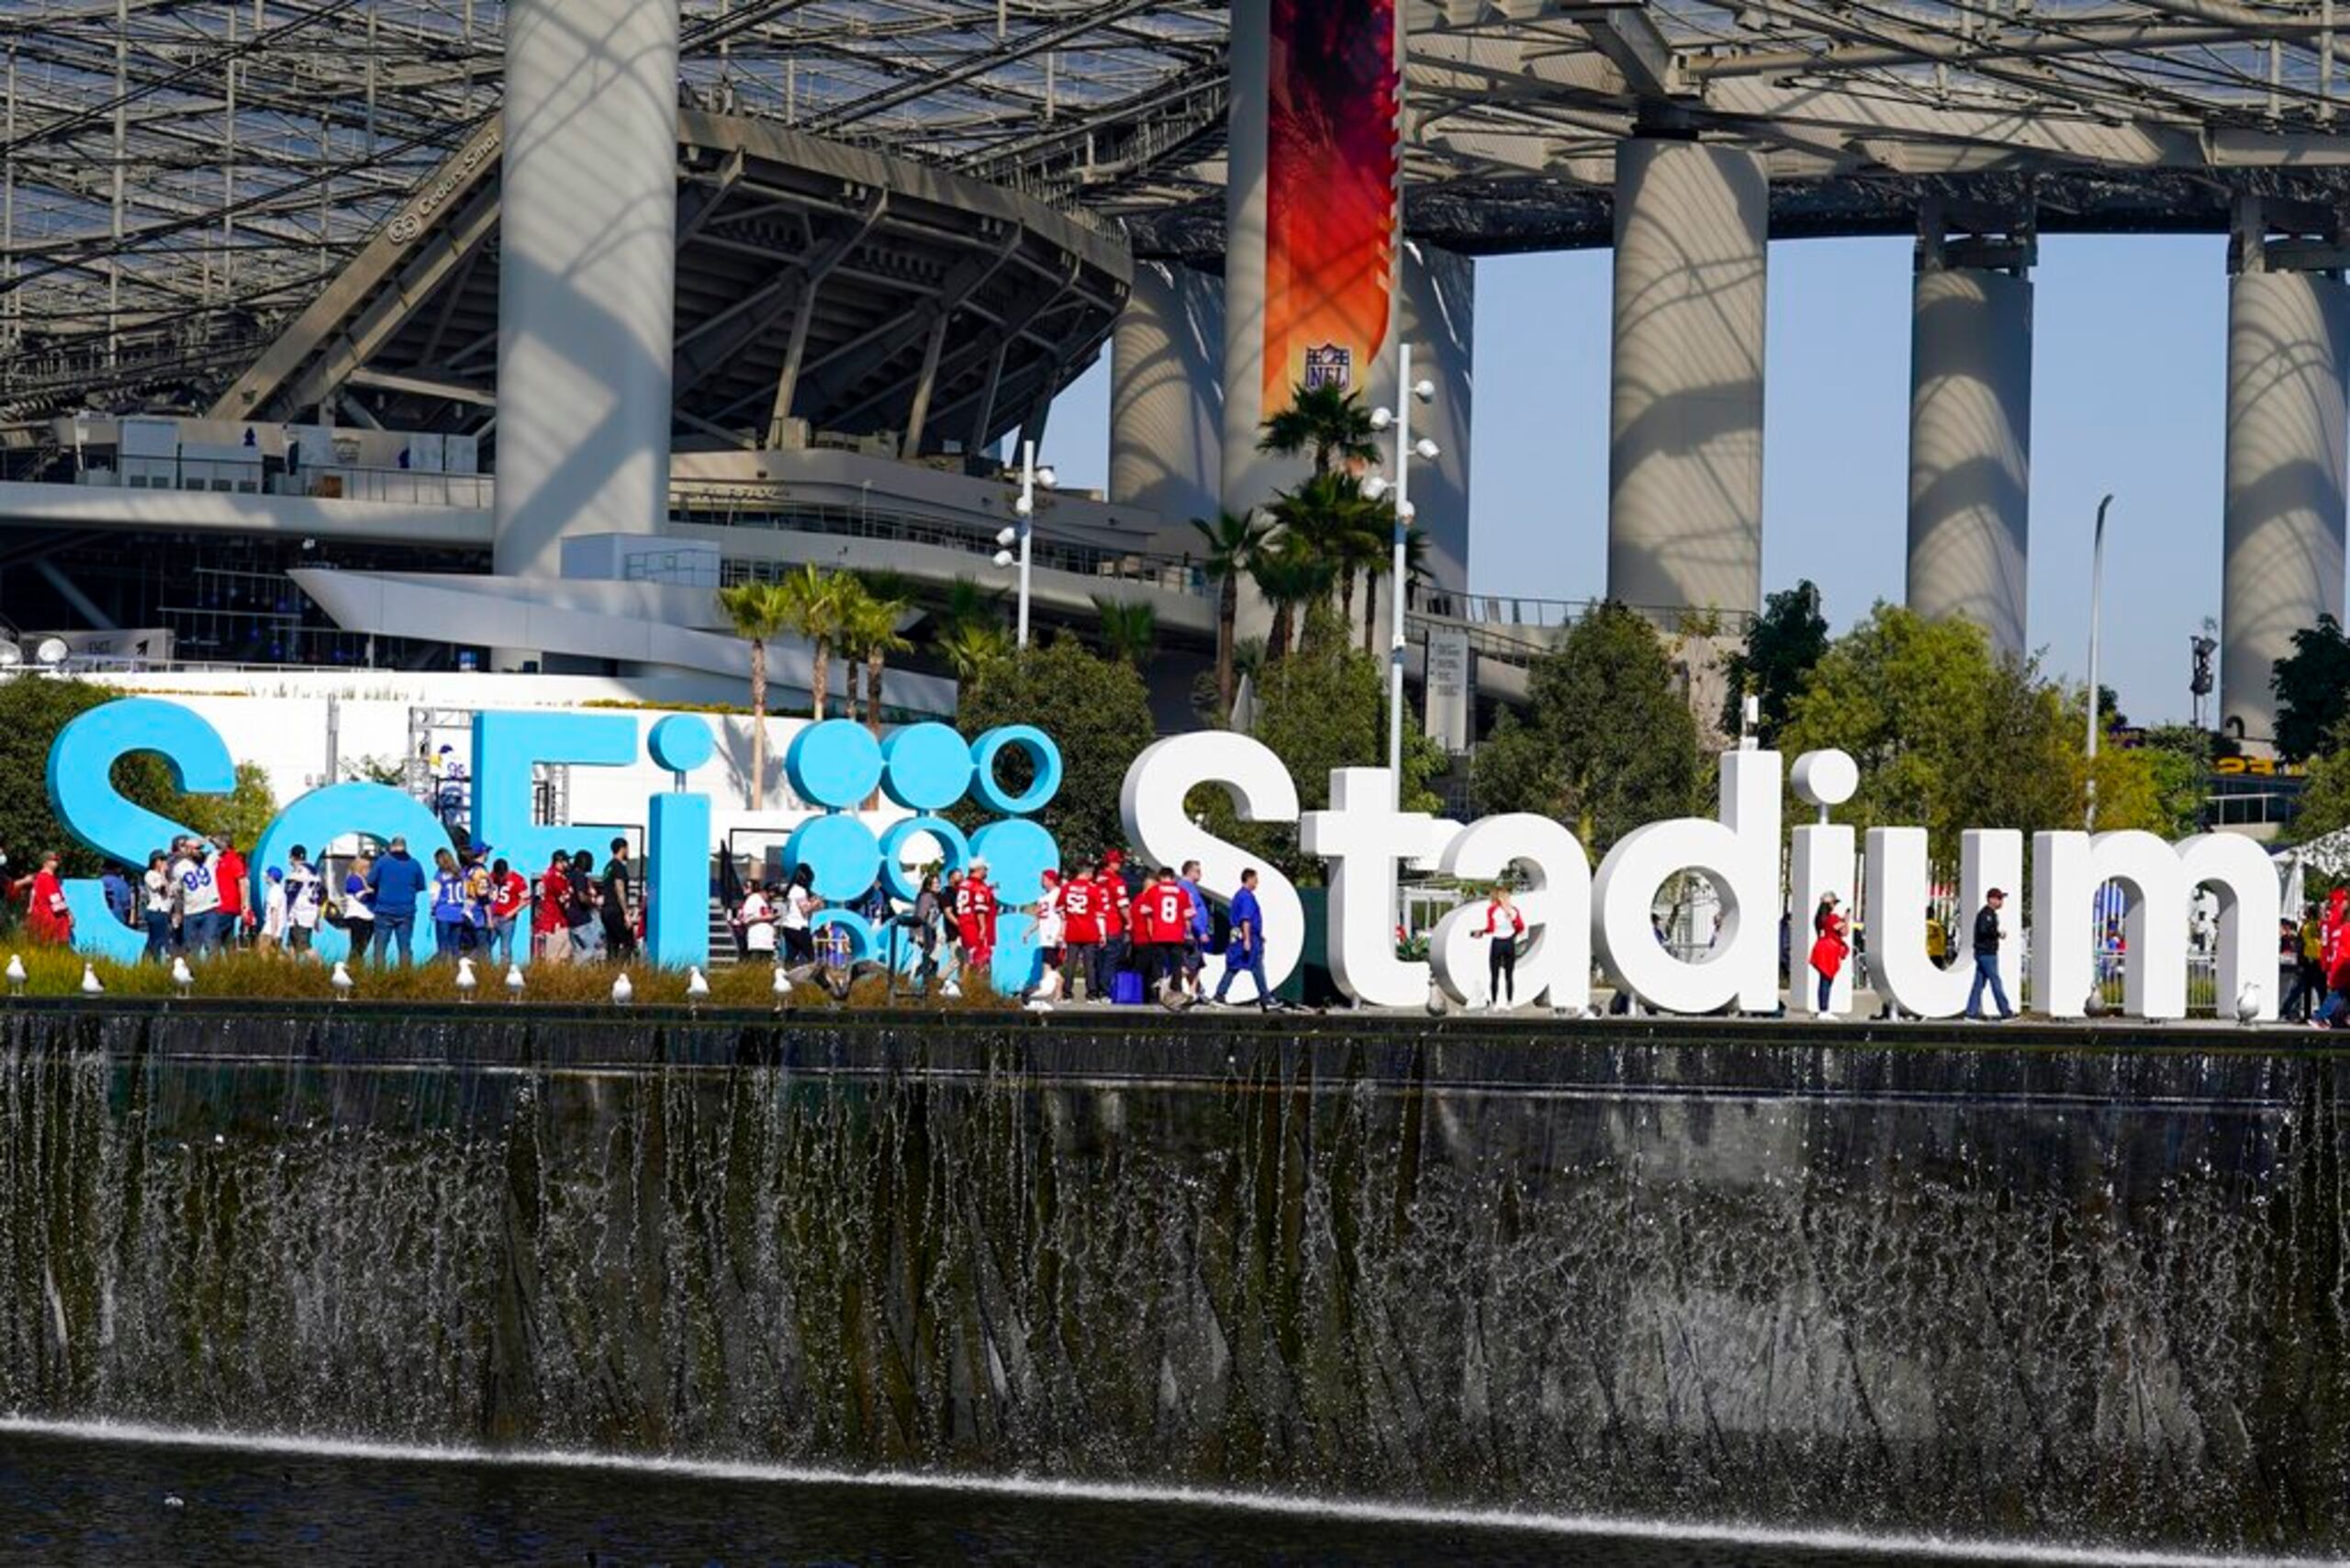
1032	479
1400	418
2097	598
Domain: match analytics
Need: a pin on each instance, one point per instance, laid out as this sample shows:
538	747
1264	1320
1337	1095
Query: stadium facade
429	333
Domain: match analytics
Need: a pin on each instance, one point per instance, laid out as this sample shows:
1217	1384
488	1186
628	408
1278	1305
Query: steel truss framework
182	176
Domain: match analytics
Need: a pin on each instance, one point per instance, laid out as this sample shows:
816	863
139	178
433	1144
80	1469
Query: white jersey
159	886
200	892
1049	925
799	904
302	890
273	919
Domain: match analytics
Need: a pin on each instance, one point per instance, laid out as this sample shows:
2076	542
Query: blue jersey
1203	923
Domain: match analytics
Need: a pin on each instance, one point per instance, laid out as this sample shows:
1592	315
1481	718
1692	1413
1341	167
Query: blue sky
2127	396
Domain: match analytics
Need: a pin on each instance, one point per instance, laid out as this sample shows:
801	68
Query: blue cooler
1125	987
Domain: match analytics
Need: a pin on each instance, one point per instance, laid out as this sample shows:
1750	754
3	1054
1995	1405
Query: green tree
1328	421
759	613
1097	711
1607	743
1328	517
972	649
813	599
1129	630
1231	543
1782	645
242	815
32	711
888	598
1320	707
1290	576
1948	736
2325	793
2312	687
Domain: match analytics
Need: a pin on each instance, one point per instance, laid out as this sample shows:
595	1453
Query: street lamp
1399	418
1032	479
2097	598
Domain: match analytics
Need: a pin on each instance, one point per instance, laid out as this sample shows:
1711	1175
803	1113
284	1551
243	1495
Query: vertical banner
1313	210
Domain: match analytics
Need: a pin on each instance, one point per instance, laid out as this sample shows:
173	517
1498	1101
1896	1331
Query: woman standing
156	903
1828	947
756	918
358	914
448	906
45	917
1504	923
798	912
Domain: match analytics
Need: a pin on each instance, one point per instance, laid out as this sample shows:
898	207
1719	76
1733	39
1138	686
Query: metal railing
1536	616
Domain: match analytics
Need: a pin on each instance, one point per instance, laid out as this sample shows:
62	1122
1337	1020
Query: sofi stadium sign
1575	917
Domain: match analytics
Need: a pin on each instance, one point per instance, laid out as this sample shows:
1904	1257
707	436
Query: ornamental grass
246	975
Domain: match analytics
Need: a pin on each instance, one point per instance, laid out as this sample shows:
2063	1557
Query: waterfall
2089	1292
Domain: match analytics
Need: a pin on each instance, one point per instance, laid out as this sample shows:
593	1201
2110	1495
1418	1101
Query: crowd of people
2313	963
1102	931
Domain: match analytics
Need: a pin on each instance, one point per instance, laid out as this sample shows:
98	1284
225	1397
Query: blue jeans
1987	972
158	935
1251	961
396	928
448	936
501	940
200	933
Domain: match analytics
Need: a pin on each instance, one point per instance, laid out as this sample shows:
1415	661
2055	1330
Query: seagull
182	976
514	981
2248	1002
697	988
782	987
90	986
1039	1004
953	990
622	991
467	983
341	981
16	973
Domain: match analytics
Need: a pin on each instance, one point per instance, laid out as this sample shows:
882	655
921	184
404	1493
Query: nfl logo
1330	366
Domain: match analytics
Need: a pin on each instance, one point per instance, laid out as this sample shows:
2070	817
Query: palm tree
972	649
1129	630
1288	574
880	606
758	612
1330	422
815	599
1232	545
1347	530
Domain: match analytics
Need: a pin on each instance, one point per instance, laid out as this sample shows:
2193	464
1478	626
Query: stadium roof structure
184	177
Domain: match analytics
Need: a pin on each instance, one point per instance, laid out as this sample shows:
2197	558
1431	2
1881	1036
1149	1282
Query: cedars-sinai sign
1575	917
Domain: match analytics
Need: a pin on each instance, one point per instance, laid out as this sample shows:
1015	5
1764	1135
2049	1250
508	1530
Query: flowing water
2027	1289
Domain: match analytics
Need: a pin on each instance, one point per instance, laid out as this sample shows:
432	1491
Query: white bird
697	988
467	983
622	991
182	976
17	976
782	987
1039	1004
2248	1002
514	981
953	990
90	986
342	981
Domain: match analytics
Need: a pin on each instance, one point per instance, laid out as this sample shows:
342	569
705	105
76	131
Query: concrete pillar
1439	318
2289	344
1969	447
1167	394
1684	459
1312	215
586	274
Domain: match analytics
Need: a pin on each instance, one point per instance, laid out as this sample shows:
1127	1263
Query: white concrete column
1684	460
1439	318
1167	394
587	285
2289	345
1970	448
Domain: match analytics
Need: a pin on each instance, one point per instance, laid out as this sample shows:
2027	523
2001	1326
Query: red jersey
228	874
1113	904
506	895
1162	914
1494	921
1080	911
546	915
975	913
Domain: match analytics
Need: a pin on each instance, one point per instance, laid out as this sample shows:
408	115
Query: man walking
1988	938
1244	952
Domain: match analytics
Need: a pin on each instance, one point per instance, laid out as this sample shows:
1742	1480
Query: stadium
435	336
